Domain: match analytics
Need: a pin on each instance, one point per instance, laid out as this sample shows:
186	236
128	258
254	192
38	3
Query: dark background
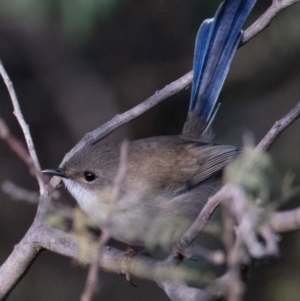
75	64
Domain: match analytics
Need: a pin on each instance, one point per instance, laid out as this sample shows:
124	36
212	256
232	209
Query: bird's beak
59	172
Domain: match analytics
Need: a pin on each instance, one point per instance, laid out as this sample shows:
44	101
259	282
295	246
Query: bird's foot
129	254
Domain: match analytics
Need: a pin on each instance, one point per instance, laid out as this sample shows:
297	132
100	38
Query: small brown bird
168	179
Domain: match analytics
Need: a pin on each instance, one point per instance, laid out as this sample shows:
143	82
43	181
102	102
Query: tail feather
216	43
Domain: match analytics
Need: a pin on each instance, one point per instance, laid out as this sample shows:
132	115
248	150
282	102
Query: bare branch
212	203
121	119
16	146
18	262
92	278
24	126
91	281
18	193
120	175
16	265
44	237
177	291
265	19
111	259
278	128
286	221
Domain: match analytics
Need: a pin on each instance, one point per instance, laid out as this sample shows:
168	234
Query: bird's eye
89	176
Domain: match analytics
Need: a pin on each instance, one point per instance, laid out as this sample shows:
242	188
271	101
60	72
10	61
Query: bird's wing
211	158
197	162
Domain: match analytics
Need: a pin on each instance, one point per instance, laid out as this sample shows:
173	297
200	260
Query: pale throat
88	200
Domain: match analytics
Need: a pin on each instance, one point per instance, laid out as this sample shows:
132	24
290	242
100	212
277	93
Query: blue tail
216	43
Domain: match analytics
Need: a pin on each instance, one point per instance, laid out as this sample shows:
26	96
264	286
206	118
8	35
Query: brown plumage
167	182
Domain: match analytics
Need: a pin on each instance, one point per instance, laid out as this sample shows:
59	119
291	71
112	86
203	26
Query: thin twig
91	281
216	257
236	255
16	146
92	278
286	221
121	119
198	225
120	175
24	126
278	128
18	193
233	251
265	19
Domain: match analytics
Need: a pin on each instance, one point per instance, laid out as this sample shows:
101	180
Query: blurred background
75	64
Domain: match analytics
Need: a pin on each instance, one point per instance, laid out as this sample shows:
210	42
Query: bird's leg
129	254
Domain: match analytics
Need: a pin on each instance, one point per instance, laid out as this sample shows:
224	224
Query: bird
168	179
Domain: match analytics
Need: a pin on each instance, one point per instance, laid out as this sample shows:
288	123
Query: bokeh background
75	64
